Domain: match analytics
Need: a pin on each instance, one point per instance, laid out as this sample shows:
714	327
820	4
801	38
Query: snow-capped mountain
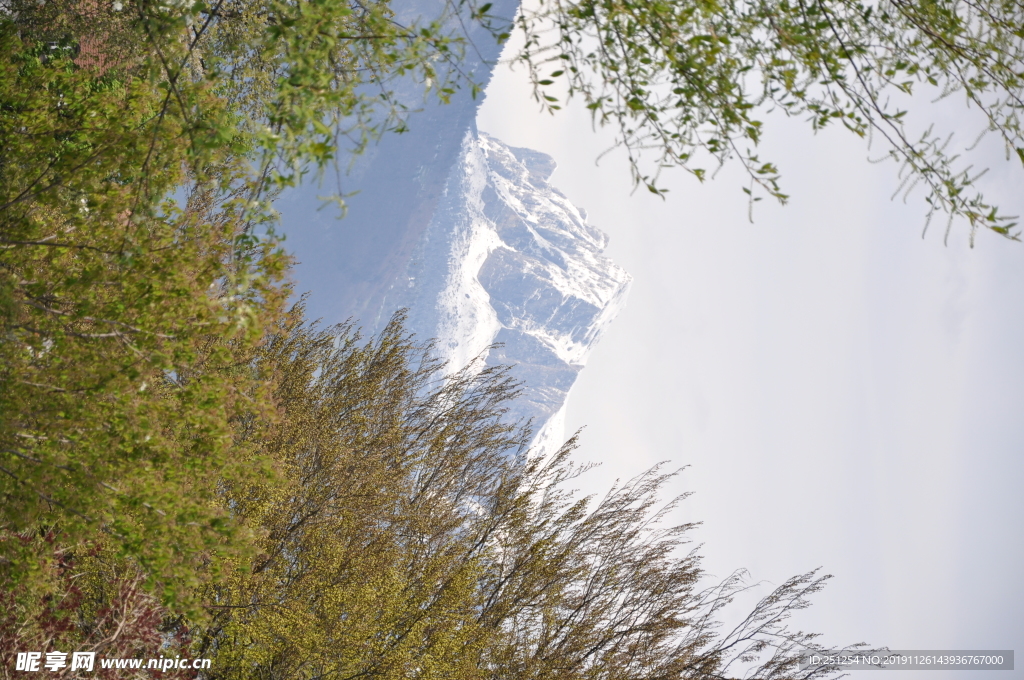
506	258
467	234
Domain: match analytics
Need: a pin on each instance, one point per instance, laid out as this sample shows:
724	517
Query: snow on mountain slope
506	258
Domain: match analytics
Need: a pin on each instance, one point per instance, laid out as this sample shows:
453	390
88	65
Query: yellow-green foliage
409	536
119	306
370	550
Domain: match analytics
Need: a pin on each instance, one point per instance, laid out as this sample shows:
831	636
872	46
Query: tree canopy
115	291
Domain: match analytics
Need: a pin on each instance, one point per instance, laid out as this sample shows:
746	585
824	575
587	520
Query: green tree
369	553
110	293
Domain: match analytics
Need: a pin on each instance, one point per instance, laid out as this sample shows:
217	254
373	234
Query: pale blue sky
847	394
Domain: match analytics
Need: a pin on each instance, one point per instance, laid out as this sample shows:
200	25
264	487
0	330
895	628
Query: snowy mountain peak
506	258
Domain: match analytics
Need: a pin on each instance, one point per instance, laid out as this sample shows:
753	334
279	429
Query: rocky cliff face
506	258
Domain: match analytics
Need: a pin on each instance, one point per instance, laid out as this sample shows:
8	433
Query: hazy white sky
847	395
